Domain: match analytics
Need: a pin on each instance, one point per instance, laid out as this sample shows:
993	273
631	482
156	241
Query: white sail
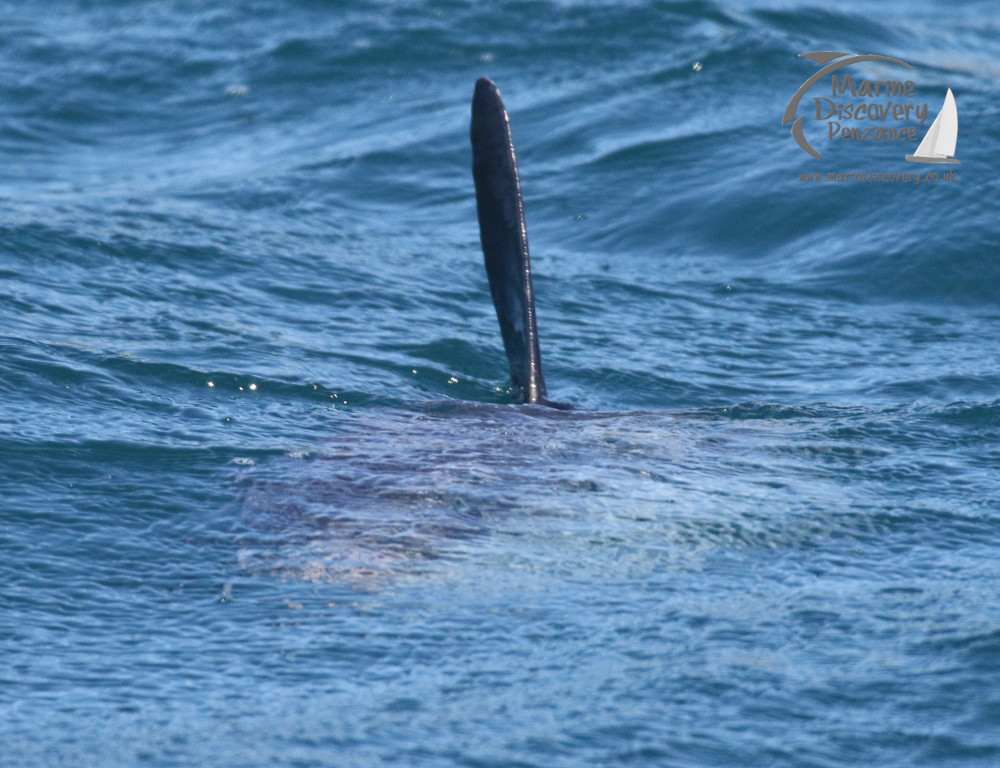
948	132
939	143
926	148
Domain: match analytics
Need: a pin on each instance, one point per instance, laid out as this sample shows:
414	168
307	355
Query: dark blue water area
265	497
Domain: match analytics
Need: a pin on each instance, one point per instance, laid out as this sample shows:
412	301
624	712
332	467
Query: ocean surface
265	496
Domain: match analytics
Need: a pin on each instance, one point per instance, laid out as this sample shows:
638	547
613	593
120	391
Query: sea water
265	498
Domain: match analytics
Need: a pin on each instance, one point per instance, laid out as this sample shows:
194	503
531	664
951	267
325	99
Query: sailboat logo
938	145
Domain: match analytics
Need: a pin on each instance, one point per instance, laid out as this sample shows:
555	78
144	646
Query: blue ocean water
266	498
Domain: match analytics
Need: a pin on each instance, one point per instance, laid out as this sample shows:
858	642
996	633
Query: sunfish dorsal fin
505	240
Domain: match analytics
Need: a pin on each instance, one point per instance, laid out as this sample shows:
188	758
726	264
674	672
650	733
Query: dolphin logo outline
822	57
